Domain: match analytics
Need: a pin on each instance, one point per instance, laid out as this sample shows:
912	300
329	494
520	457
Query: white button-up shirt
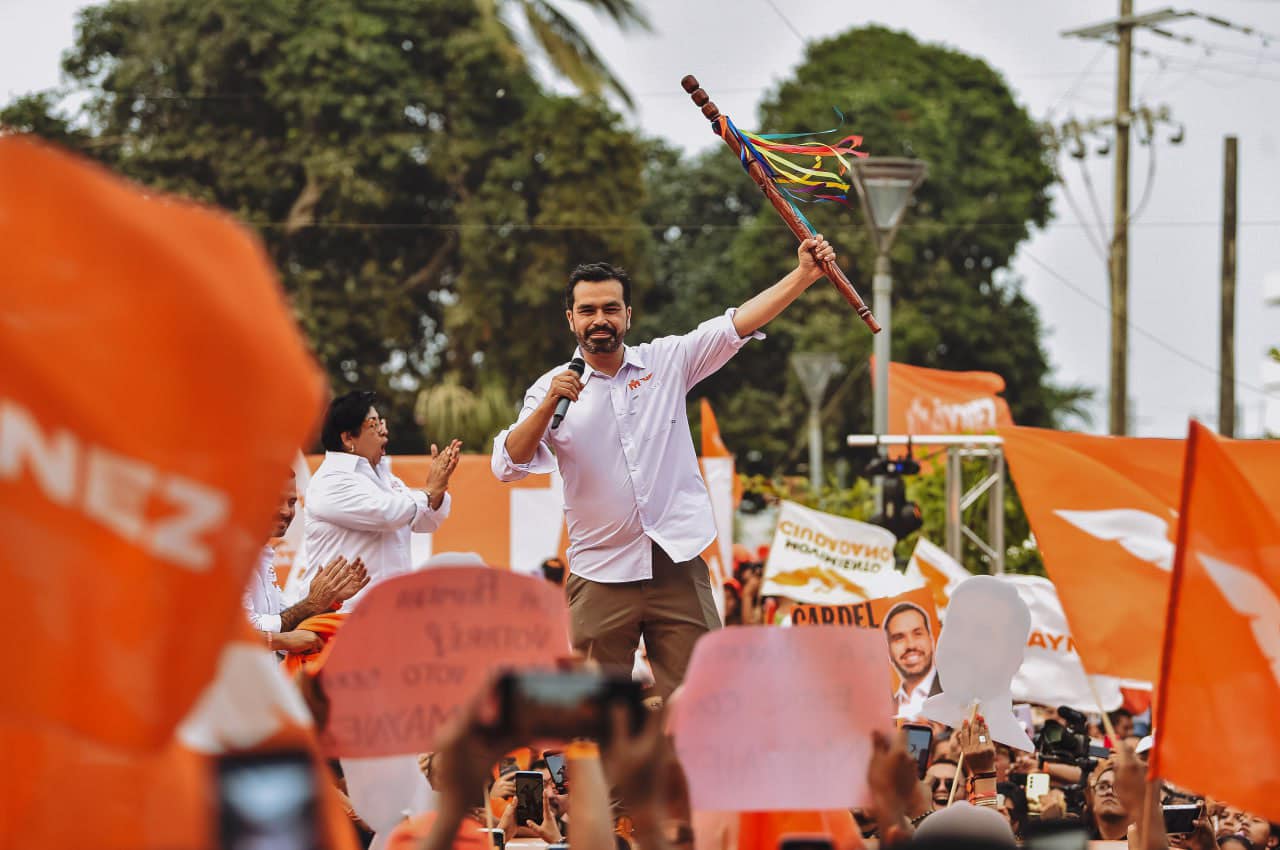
624	451
911	704
263	600
357	511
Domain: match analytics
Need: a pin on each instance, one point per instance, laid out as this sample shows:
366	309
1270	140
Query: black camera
1067	742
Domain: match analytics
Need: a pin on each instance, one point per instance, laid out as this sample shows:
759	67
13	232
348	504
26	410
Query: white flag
1051	673
937	570
826	559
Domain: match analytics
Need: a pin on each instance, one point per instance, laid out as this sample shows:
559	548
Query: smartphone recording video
1055	835
268	801
1181	819
805	842
528	796
561	705
559	770
919	745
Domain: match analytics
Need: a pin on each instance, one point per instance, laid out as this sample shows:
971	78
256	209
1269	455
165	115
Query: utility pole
1119	395
1227	335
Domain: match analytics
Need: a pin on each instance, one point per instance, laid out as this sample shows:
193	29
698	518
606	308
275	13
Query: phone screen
919	743
804	842
559	771
1181	820
528	796
268	800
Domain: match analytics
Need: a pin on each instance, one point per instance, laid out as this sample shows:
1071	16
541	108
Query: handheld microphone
562	407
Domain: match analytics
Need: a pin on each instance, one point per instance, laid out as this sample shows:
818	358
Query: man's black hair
908	606
346	414
593	273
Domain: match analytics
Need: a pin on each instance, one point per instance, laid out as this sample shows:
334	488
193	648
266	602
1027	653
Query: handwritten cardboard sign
419	647
780	719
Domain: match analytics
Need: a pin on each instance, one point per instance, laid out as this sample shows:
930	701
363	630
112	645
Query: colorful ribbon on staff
827	178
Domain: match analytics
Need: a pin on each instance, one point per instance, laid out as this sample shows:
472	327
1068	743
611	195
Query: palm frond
569	51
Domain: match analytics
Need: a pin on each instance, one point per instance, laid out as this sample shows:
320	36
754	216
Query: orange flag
155	389
73	792
937	401
1104	513
1214	731
712	444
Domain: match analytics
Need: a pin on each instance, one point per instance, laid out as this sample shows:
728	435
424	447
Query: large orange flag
1217	730
154	390
937	401
1104	513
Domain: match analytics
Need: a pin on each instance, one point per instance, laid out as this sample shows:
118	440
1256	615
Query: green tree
955	304
377	148
559	40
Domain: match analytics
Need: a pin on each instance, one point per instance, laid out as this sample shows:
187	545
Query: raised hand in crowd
504	788
636	765
1143	805
1053	805
549	829
897	795
336	582
443	464
976	745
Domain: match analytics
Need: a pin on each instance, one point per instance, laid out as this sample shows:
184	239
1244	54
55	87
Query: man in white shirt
911	645
637	509
356	507
264	603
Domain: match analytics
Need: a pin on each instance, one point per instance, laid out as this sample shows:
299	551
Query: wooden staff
720	125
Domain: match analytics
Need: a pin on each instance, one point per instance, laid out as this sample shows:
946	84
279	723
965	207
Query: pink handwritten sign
781	719
419	647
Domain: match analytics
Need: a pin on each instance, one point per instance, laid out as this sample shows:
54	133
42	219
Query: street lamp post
885	186
815	371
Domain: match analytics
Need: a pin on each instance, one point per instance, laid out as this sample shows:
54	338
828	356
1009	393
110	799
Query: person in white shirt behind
356	507
636	506
911	646
264	602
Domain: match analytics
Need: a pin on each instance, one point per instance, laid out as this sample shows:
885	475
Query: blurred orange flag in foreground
1221	674
155	389
75	793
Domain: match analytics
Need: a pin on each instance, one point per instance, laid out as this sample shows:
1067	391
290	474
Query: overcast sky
739	49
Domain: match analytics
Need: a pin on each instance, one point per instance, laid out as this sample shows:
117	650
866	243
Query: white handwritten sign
780	719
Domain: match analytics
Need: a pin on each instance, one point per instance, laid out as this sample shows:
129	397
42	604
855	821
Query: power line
786	21
1172	349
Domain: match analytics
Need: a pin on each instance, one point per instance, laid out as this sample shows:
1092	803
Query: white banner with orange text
826	559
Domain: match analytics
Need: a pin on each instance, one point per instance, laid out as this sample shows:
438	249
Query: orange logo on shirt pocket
635	383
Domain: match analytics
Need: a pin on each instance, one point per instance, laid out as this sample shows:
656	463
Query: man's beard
600	346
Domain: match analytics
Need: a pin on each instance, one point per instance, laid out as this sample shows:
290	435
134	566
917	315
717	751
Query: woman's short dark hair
595	272
346	414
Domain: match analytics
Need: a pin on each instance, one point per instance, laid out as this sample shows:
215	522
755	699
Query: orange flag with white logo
938	401
1102	509
1217	731
1104	513
155	389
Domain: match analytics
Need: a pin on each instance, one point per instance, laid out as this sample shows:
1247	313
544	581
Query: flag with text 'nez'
155	389
1220	681
939	401
1104	514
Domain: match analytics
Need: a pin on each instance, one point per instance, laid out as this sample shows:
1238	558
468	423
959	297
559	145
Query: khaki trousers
671	611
